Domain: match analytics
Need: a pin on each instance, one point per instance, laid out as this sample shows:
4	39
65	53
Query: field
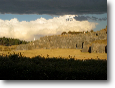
64	53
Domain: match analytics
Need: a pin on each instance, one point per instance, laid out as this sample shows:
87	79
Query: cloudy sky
26	19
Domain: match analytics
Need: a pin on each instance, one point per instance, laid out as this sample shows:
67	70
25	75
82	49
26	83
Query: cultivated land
64	53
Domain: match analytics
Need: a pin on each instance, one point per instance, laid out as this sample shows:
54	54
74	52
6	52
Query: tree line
11	41
74	32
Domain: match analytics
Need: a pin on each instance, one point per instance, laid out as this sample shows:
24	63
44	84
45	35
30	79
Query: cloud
42	27
83	18
53	7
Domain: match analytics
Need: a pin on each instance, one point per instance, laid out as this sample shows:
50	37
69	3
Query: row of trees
70	32
11	41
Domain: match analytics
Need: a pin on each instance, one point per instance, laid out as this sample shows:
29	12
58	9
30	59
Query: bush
17	67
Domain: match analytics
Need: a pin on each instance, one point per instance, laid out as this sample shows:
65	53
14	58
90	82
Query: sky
26	19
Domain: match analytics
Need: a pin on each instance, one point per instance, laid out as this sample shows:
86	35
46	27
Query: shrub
17	67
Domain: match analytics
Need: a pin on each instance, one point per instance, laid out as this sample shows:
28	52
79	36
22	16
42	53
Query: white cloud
27	30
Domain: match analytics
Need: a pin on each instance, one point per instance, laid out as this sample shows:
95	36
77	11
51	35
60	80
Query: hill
87	41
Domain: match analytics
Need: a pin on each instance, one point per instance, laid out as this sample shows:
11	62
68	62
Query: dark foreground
16	67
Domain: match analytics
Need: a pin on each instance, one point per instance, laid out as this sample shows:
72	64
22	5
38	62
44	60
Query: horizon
42	18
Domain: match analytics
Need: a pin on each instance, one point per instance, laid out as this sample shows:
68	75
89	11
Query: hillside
87	41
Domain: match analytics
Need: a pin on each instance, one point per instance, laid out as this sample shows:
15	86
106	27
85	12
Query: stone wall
79	41
98	48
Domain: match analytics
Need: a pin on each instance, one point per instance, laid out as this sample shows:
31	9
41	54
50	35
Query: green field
16	66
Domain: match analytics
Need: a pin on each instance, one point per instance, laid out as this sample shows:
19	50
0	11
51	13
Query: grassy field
64	53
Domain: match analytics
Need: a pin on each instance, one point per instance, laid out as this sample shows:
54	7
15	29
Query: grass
7	48
18	67
64	53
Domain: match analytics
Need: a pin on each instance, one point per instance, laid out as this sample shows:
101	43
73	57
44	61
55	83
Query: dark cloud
103	19
82	18
53	7
98	19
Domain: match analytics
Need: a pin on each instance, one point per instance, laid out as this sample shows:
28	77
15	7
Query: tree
11	41
91	31
69	32
16	42
63	33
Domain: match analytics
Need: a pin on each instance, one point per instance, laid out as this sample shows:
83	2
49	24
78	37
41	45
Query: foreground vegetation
16	66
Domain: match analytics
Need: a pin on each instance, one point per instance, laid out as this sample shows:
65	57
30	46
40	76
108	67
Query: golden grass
7	48
65	53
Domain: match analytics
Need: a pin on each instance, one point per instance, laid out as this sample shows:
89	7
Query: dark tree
63	33
11	41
